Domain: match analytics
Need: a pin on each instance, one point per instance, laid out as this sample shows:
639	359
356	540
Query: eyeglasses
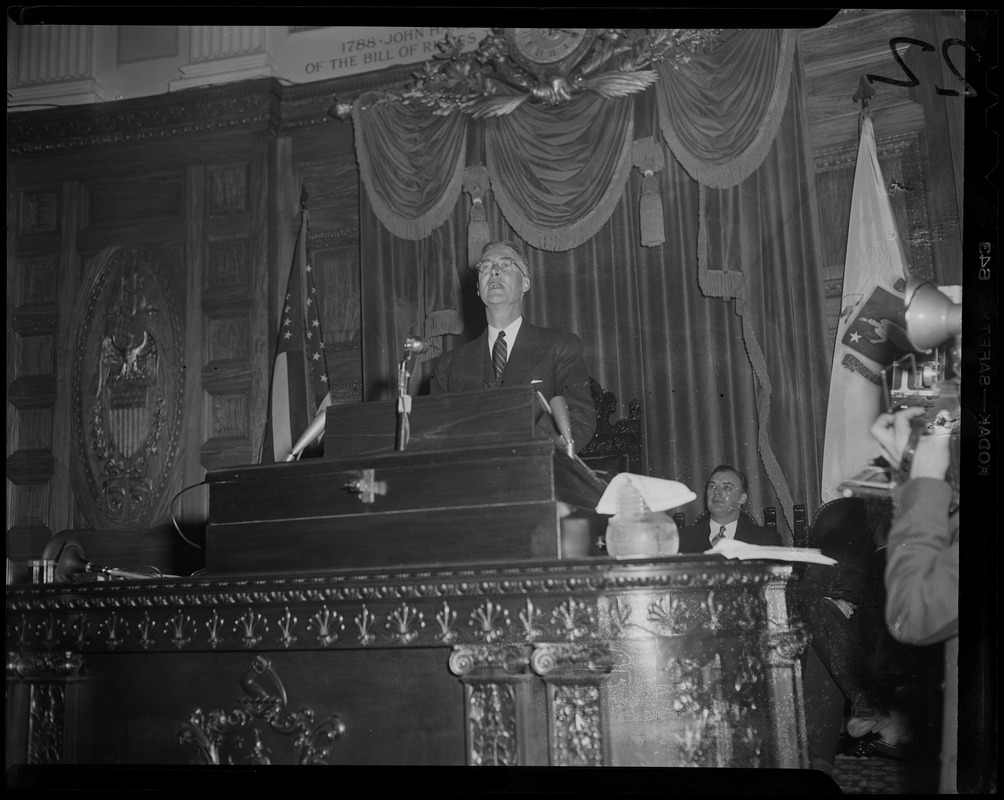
505	265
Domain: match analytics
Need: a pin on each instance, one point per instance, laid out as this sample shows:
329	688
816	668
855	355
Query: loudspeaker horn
931	317
71	561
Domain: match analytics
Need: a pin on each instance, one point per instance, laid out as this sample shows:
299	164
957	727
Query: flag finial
303	197
864	93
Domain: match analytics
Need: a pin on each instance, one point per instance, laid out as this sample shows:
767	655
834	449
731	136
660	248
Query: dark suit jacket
554	358
695	537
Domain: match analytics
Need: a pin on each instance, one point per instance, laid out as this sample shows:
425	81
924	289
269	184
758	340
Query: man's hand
926	456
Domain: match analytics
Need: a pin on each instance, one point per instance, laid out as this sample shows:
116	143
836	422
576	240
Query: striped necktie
499	352
718	536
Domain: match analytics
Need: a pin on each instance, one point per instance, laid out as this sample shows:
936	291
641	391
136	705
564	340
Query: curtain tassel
478	235
648	156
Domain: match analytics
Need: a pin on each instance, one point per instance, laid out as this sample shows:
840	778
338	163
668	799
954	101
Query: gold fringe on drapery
648	156
478	235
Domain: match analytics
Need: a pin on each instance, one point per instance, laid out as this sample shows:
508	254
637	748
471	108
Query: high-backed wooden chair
616	446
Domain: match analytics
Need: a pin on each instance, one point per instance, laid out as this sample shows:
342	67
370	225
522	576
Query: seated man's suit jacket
695	538
549	360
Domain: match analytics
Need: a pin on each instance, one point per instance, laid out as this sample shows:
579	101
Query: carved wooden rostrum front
664	662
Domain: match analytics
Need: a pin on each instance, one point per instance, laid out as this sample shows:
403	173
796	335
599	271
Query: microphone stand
403	401
412	345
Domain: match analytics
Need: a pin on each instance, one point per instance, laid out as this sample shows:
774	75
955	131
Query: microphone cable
174	519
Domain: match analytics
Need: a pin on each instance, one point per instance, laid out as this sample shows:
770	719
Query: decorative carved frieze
251	105
388	610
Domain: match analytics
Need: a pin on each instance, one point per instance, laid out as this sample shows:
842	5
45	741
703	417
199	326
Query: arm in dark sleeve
571	380
922	565
439	383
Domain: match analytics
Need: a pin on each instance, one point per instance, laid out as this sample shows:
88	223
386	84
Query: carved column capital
44	666
558	659
469	660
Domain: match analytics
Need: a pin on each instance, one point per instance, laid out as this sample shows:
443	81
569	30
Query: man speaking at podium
514	352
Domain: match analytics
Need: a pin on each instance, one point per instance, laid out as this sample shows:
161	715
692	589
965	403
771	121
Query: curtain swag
411	163
557	172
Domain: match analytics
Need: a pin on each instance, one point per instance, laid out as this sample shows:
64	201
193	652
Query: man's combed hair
729	468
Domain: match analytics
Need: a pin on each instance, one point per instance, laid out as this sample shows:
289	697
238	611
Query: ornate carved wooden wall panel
33	279
232	232
128	388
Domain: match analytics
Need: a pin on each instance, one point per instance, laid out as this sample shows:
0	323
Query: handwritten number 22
925	47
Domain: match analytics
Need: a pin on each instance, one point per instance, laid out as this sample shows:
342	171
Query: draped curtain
693	280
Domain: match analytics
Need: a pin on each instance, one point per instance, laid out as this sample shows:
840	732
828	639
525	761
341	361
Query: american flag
300	371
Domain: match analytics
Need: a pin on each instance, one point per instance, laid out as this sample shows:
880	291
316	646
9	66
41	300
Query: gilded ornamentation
115	628
251	627
219	736
404	624
528	616
560	657
469	659
489	621
328	625
214	627
784	646
525	628
79	628
672	612
187	614
22	628
177	628
618	616
446	619
45	723
574	618
146	628
364	622
497	78
287	622
44	666
491	724
576	736
692	681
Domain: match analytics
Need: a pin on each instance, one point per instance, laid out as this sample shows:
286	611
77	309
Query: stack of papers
731	548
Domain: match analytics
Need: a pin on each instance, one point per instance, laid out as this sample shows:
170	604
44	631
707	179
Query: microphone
415	345
314	430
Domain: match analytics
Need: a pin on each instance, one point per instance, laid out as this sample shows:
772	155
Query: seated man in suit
725	493
514	352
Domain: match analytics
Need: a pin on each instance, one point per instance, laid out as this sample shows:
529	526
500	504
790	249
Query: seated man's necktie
499	353
718	536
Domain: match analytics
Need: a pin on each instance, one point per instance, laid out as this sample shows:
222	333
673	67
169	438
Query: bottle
635	531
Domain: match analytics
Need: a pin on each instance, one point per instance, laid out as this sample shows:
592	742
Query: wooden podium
481	480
